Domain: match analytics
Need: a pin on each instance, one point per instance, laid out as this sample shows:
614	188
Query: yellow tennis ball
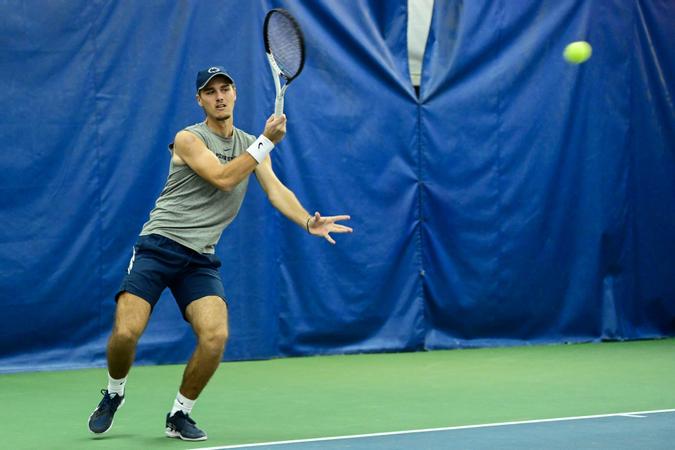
577	52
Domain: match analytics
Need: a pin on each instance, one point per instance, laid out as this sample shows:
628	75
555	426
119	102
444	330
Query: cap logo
213	70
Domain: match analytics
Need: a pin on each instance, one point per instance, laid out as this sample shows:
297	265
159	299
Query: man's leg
131	317
208	317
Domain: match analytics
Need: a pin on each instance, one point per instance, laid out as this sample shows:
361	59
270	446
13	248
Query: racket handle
279	106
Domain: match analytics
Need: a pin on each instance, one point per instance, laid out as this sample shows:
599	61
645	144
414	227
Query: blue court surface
646	430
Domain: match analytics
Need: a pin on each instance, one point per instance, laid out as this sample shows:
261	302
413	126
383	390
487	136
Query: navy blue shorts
159	262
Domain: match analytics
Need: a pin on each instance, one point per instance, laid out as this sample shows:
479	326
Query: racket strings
286	46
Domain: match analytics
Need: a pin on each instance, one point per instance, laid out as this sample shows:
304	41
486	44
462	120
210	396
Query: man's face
218	98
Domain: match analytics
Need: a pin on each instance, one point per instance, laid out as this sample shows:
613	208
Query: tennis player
208	176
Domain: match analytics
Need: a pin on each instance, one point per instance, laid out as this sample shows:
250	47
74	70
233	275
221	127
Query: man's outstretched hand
323	226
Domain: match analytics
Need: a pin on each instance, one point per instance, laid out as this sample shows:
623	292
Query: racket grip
279	106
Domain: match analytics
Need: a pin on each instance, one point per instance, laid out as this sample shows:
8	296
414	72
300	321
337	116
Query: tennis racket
285	48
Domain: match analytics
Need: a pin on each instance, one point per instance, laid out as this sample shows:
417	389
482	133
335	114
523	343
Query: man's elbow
225	185
228	183
274	197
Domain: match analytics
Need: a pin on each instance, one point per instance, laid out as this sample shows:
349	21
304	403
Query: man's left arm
288	204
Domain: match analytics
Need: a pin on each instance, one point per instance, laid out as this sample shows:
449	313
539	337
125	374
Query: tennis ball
577	52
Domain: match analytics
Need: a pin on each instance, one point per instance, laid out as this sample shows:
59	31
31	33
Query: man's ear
199	100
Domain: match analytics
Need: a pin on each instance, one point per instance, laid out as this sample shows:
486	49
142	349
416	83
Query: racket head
284	40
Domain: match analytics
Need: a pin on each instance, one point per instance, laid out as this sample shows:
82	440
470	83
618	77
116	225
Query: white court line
429	430
633	415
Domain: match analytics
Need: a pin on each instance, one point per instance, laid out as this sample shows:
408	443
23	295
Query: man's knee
208	317
214	338
131	318
123	333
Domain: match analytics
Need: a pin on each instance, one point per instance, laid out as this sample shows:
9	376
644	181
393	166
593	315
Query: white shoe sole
176	434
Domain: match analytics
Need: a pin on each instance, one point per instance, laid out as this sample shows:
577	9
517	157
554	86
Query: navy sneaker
101	419
181	426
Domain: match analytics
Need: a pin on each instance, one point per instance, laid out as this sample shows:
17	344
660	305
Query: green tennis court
318	397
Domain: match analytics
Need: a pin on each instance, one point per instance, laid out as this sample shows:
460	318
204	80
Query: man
208	176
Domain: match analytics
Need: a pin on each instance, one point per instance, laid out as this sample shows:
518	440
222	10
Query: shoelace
107	399
188	418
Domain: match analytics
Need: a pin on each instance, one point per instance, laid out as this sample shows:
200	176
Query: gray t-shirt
190	210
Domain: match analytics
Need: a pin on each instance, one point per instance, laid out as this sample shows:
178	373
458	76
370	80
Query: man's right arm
193	152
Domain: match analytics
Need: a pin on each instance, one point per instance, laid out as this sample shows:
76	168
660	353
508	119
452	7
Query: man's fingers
329	226
277	122
338	218
341	229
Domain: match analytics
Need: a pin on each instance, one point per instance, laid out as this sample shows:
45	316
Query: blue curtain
518	200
